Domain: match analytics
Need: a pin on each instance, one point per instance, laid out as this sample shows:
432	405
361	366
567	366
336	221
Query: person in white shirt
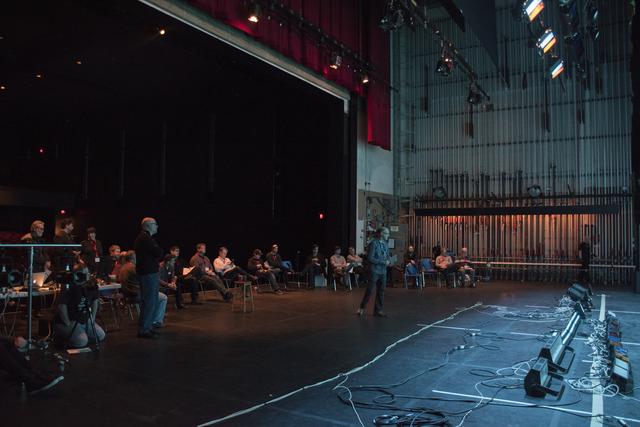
226	268
339	267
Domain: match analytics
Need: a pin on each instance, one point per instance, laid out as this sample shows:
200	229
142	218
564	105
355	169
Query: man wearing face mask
379	259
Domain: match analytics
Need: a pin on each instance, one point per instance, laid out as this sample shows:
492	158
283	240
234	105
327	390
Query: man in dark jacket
91	252
274	261
40	256
148	255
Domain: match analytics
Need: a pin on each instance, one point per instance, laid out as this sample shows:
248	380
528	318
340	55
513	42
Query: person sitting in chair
171	271
444	264
227	269
411	264
465	271
314	265
208	275
339	267
274	261
257	267
112	263
75	321
91	251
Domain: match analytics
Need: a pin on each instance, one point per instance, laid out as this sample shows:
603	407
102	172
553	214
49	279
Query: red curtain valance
354	23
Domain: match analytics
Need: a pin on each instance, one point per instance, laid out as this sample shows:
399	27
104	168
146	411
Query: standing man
148	255
65	257
91	252
379	259
40	257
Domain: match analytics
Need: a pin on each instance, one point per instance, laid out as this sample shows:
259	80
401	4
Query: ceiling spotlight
38	76
557	68
255	12
534	191
336	61
3	87
532	8
78	62
162	31
444	66
474	97
365	79
546	41
440	193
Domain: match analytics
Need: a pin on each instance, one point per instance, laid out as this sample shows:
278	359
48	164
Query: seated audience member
171	271
130	283
274	261
466	272
314	265
40	256
411	263
91	251
77	310
13	362
436	251
356	263
208	276
113	262
259	269
226	268
339	267
444	264
65	258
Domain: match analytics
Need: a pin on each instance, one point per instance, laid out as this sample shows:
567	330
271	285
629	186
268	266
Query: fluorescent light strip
534	8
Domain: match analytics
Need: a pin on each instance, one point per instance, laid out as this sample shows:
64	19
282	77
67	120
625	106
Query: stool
246	294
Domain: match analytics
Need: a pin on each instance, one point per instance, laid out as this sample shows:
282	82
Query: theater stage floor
210	362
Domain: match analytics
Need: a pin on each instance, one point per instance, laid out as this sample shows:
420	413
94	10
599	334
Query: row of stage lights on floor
254	15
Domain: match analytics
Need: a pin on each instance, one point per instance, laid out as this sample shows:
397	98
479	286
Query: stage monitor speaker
554	353
538	381
580	294
621	375
583	288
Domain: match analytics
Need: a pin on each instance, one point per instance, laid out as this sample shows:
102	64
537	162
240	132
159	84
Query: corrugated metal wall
571	138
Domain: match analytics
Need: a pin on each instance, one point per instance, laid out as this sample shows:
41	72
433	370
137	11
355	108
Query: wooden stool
246	294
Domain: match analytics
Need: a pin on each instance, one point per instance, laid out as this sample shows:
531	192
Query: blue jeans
379	280
149	289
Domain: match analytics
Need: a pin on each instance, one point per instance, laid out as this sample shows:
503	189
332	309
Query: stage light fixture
336	61
474	97
162	31
365	79
255	12
444	66
392	21
557	68
78	62
532	8
440	193
3	87
41	150
534	191
38	76
546	41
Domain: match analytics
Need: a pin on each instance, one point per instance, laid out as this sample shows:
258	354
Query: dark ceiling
125	64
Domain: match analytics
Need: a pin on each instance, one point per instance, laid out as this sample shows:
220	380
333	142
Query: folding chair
427	269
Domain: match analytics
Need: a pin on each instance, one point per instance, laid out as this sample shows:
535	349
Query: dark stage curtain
352	22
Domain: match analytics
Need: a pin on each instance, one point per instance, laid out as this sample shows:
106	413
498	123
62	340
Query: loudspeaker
621	375
580	294
538	381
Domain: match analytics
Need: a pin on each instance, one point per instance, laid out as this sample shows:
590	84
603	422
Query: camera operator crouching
75	321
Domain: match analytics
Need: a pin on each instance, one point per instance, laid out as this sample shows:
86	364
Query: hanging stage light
557	68
532	8
474	97
336	60
444	66
546	41
534	191
392	21
255	12
440	193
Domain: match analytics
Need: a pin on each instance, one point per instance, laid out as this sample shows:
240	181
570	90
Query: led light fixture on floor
532	8
546	41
